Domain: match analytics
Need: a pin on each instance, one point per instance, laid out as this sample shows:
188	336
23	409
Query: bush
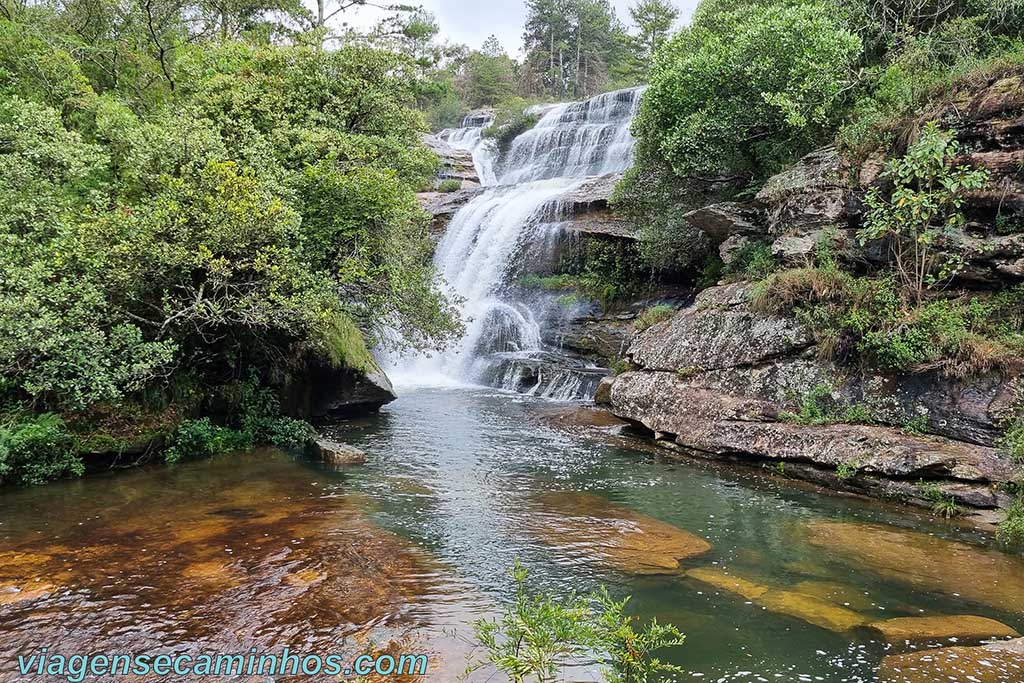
449	185
511	119
36	449
653	316
201	438
537	635
1011	530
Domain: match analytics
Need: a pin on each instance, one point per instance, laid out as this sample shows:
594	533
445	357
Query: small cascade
513	224
470	137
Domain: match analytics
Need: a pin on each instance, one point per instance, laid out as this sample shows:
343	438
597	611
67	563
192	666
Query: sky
470	21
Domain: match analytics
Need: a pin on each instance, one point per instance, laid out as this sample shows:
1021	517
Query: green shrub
201	438
753	261
846	471
449	185
923	206
36	449
653	316
943	504
510	121
537	635
1011	530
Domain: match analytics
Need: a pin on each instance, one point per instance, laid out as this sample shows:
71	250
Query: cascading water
470	137
512	220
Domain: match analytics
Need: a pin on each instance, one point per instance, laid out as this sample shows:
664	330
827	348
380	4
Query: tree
743	90
653	19
571	45
488	75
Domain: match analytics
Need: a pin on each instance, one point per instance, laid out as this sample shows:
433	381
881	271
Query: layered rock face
720	379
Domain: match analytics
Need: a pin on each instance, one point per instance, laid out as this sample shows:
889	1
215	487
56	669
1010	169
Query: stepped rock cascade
514	225
470	137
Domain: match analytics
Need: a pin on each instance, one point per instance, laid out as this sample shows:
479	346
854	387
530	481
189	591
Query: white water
476	256
470	137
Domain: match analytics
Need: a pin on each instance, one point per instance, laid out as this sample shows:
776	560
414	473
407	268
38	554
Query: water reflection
769	582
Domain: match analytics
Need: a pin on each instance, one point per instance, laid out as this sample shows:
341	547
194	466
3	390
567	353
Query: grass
846	471
652	316
866	320
449	185
819	407
943	504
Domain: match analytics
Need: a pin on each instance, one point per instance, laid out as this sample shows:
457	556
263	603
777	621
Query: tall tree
570	47
653	19
488	75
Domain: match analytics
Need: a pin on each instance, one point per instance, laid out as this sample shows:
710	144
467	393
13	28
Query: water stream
264	549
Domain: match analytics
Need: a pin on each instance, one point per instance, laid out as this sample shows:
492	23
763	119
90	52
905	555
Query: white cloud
471	21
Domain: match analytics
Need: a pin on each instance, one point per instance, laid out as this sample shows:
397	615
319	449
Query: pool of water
264	549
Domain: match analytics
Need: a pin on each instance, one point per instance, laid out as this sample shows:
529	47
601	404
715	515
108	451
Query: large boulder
321	390
718	331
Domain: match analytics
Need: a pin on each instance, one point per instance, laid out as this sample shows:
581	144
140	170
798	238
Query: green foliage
254	419
653	316
753	261
222	208
571	47
535	635
511	119
745	88
488	76
449	185
923	207
820	406
943	504
867	320
538	634
846	471
1011	530
36	449
628	653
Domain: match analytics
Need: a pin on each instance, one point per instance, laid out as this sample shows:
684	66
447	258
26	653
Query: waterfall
470	137
512	221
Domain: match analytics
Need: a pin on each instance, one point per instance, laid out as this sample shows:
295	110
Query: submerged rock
337	454
813	609
995	663
718	578
587	525
925	562
933	629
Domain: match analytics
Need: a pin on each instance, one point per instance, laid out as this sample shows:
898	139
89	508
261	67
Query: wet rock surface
595	529
336	453
723	379
961	628
985	664
926	562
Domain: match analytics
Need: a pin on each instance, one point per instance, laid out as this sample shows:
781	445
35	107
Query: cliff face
722	380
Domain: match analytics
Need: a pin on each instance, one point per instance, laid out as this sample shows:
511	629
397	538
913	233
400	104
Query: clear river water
266	549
